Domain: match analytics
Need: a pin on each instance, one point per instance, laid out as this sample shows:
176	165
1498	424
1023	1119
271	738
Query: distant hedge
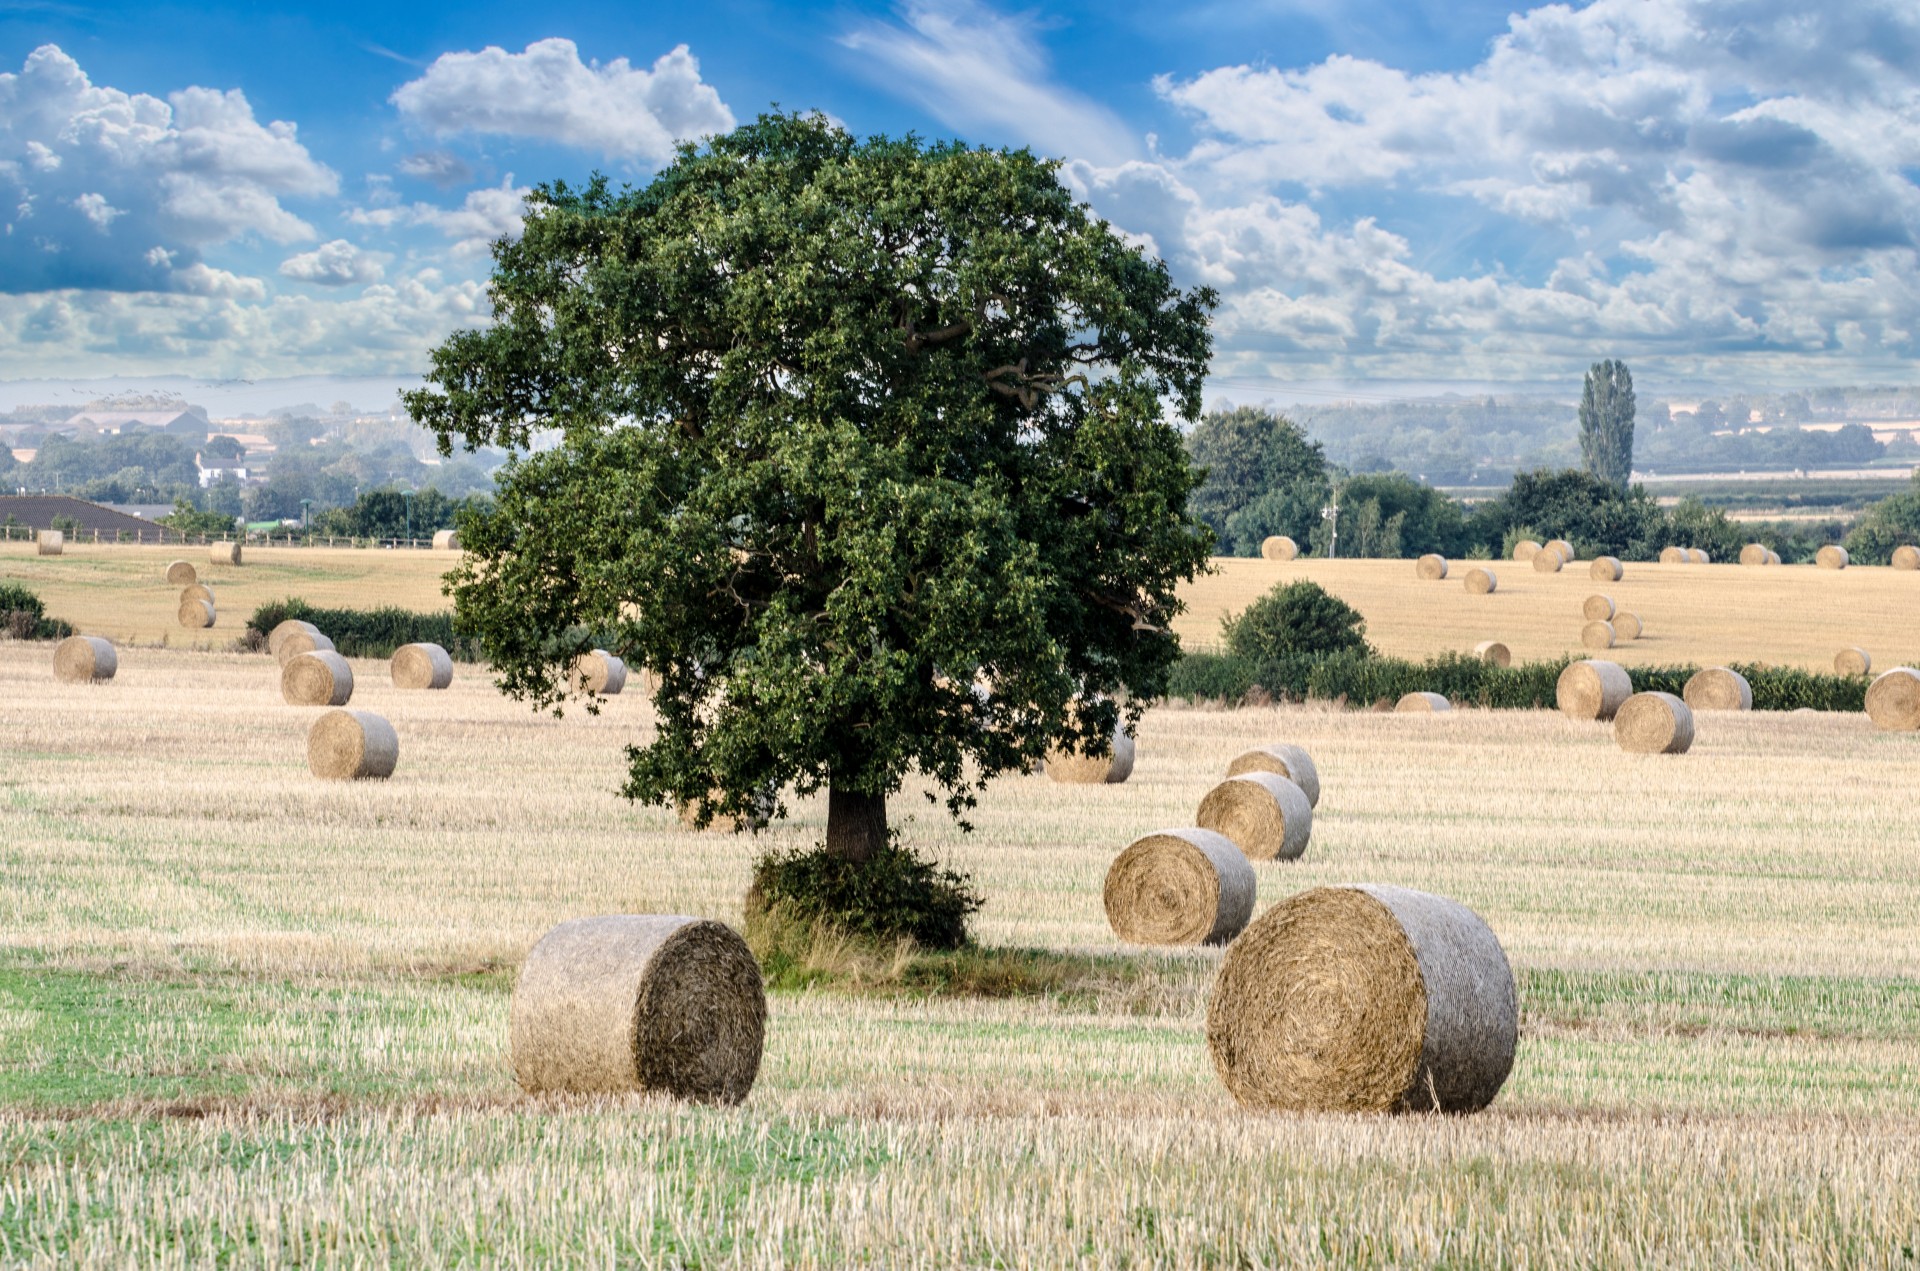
23	616
366	633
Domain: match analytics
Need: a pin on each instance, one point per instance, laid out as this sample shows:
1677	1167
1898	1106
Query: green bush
23	616
1211	676
1296	618
892	895
367	633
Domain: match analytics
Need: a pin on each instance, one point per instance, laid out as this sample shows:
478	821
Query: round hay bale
1605	569
1291	762
1626	626
1364	999
1597	608
1546	562
597	671
49	543
1592	689
84	660
1493	652
294	643
1266	815
1181	887
1278	547
1673	556
446	540
1906	556
1832	556
1525	549
224	553
1852	660
1715	688
1597	635
1754	554
1422	704
1074	768
1431	567
1699	556
1893	700
196	591
318	678
278	636
195	615
650	1002
181	572
1773	558
351	746
1654	724
1561	545
1481	581
421	666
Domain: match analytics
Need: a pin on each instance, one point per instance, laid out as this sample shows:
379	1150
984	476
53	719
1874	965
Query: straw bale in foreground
1525	549
1180	887
1265	815
181	572
1278	547
1074	768
1852	660
319	678
1716	688
1597	608
647	1002
446	540
1906	556
1597	634
49	543
352	746
597	671
1832	556
421	666
1431	567
1364	998
1493	652
1893	700
1422	703
1291	762
195	614
1626	626
1481	581
1605	569
84	660
224	553
1654	724
1592	689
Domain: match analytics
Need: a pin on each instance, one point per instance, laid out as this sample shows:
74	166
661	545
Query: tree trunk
856	823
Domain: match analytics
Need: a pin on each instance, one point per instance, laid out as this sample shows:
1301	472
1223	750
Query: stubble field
247	1016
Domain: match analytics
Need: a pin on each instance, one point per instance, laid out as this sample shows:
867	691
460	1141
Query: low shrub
23	616
366	633
895	895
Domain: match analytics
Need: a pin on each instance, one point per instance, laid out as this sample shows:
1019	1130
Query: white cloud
547	93
442	167
335	264
483	217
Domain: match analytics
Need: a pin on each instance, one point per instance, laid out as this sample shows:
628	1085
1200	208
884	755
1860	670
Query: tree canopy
866	452
1606	423
1264	476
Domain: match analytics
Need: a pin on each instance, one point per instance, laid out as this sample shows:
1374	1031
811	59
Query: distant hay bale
446	540
1906	556
1266	815
1893	700
197	591
1493	652
181	572
1773	558
1597	634
1673	556
1597	608
195	614
49	543
224	553
1278	547
1699	556
1364	999
278	636
765	802
1626	626
1481	581
1832	556
84	660
1754	554
1422	704
1181	887
648	1002
1605	569
597	671
352	746
1654	724
294	643
1525	549
421	666
1592	689
1291	762
319	678
1852	660
1431	567
1547	562
1073	768
1715	688
1561	545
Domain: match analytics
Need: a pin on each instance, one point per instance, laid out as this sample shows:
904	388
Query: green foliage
1597	518
1606	423
23	616
893	895
190	520
1222	677
1692	523
368	633
1264	476
1888	524
391	513
1389	514
1295	618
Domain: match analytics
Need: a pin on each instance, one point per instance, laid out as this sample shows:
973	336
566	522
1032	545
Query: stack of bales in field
1893	700
224	553
1597	608
1684	556
1605	569
318	678
421	666
1548	561
1278	547
446	540
293	637
1181	887
1364	999
1592	690
49	543
1493	653
1906	556
1758	554
1852	660
196	611
1525	549
1563	547
352	746
1599	632
1832	556
84	660
181	573
1654	724
1481	581
1422	704
1716	688
1073	767
1432	567
597	671
639	1002
1268	817
1289	761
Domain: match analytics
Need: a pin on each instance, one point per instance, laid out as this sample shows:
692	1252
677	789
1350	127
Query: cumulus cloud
95	180
483	217
335	264
549	94
442	167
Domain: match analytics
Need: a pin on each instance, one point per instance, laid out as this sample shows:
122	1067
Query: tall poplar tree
1606	423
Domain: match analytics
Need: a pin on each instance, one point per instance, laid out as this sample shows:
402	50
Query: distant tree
1264	476
1300	617
1606	423
222	451
1592	514
1389	514
191	520
1890	523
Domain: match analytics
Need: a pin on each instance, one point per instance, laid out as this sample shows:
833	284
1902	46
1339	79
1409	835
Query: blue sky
1720	191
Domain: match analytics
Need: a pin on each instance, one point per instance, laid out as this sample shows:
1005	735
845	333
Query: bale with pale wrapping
84	660
319	678
1180	887
1074	768
1481	581
197	591
1364	998
1592	689
1654	724
1525	549
1699	556
1906	556
224	553
1626	626
1597	608
50	543
1422	704
1605	569
1546	562
1773	558
639	1002
278	636
1278	547
1754	554
181	573
1431	567
597	671
195	614
1493	653
1266	815
1291	762
1717	688
1673	556
1561	546
352	746
1852	660
294	643
1832	556
1893	700
446	540
1597	635
421	666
